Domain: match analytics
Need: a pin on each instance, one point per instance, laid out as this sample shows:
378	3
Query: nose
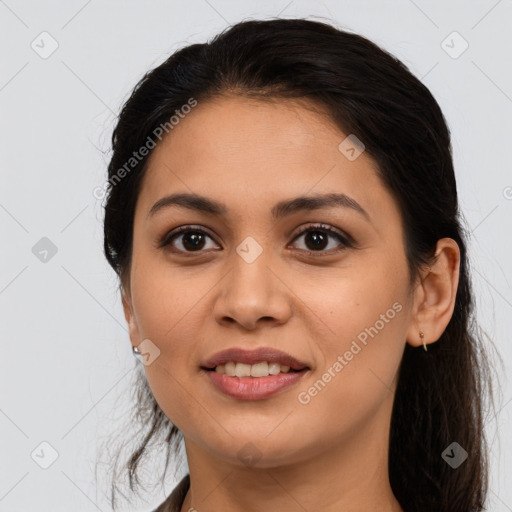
252	293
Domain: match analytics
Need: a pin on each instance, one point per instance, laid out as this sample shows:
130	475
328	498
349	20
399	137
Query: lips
258	355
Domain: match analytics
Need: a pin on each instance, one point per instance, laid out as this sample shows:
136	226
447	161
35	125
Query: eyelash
345	240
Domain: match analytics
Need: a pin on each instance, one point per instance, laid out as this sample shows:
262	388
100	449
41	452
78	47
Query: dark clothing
175	500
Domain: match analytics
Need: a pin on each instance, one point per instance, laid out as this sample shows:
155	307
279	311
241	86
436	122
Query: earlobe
435	295
130	317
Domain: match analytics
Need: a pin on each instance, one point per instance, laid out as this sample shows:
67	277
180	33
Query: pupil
196	240
318	239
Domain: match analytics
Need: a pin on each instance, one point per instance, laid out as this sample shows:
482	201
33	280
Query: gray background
66	364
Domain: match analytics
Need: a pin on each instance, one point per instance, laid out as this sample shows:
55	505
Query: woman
282	215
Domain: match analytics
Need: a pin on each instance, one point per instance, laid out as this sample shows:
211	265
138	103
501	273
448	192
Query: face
327	285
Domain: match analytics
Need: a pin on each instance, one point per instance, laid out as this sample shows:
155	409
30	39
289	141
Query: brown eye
316	239
186	239
319	240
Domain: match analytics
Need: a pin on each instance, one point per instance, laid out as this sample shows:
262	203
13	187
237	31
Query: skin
331	453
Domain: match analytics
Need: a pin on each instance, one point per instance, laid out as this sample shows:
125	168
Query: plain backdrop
66	367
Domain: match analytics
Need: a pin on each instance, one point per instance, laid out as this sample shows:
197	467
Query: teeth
242	370
262	369
274	368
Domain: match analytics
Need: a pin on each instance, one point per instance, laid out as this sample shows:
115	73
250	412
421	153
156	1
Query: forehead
238	150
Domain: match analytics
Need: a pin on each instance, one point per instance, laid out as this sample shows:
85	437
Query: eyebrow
282	209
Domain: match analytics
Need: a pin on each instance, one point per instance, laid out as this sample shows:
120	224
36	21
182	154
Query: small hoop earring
422	336
136	350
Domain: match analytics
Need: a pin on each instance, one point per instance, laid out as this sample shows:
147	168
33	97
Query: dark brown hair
441	394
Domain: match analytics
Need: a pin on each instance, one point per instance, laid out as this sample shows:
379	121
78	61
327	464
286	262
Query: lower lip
253	388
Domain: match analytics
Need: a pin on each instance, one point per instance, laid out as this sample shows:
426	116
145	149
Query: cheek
168	312
163	320
166	302
351	302
358	365
367	314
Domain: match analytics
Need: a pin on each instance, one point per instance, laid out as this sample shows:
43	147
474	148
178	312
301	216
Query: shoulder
174	501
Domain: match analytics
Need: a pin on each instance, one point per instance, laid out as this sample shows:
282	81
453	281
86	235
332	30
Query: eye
317	240
190	238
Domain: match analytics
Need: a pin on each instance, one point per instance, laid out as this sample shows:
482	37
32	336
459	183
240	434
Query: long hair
441	395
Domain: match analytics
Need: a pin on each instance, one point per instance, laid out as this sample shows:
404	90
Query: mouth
253	375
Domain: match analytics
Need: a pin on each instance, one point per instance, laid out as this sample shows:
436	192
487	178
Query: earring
422	336
136	350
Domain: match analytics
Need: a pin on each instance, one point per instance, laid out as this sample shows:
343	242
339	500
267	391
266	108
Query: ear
434	296
133	329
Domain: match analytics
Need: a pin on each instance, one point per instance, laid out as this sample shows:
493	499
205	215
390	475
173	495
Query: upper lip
240	355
